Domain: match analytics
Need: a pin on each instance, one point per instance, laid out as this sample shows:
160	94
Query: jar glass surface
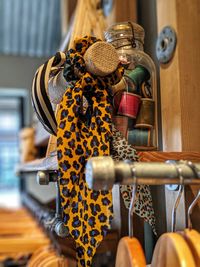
134	98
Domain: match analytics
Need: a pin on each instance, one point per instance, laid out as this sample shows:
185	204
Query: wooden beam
179	79
170	84
123	11
67	10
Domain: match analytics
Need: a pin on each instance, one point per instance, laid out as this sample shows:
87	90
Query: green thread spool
131	87
146	115
137	76
140	137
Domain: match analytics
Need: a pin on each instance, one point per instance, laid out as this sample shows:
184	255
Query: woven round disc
101	59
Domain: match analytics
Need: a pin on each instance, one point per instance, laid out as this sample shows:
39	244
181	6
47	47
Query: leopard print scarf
87	213
143	206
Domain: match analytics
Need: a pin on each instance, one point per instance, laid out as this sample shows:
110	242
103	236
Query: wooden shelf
157	156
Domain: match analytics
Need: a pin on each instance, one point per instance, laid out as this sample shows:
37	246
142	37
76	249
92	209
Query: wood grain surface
179	78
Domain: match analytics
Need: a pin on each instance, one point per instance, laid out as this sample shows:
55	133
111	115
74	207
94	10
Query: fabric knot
75	65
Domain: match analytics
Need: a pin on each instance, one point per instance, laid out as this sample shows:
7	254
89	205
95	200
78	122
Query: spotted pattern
143	205
87	213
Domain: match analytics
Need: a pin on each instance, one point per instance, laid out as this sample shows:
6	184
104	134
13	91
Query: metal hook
131	208
133	33
191	165
180	192
190	209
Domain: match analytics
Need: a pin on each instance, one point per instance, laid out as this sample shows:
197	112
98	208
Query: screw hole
164	44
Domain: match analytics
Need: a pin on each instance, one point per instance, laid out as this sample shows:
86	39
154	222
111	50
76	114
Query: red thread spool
129	105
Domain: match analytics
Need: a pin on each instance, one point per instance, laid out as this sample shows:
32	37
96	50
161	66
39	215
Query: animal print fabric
87	213
143	206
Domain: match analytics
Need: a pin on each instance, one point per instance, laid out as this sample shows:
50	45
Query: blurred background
30	32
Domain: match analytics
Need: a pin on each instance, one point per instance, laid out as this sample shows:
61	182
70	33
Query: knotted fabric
87	213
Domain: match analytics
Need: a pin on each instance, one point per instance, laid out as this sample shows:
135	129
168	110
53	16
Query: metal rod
103	172
58	204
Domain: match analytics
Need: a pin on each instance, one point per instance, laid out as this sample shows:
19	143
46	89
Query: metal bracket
54	223
45	177
166	44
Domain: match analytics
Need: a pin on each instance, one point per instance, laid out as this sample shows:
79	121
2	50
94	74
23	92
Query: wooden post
123	11
179	82
179	78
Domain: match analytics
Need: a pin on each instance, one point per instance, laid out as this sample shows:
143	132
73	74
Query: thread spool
131	87
146	90
140	137
121	123
122	85
146	114
137	76
129	105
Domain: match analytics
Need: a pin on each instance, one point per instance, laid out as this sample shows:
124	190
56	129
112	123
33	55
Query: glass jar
134	97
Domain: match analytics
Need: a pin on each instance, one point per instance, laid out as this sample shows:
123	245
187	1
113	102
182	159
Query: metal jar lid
128	32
